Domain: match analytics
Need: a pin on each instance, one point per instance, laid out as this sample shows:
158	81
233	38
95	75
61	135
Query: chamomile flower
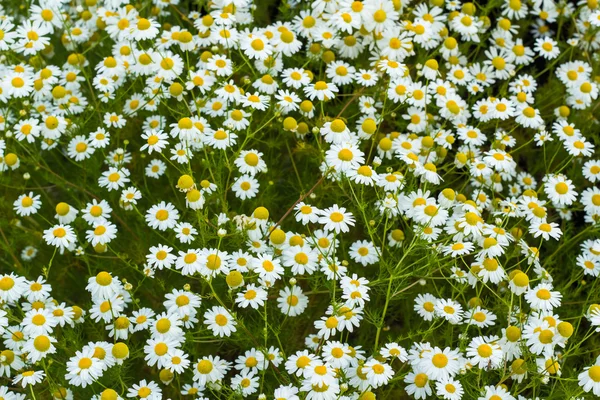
418	384
210	369
485	352
589	378
291	301
61	236
321	90
27	204
83	368
162	216
336	219
364	253
220	321
245	187
543	298
145	390
547	47
252	296
29	377
560	190
449	310
440	364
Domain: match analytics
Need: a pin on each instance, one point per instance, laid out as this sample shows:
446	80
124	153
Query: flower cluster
325	200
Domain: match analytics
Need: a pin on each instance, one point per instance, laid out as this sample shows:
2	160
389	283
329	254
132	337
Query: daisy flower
162	216
252	296
61	236
145	390
440	364
589	378
155	141
29	377
364	252
220	321
560	190
83	368
543	298
336	219
485	352
547	47
545	230
321	90
114	178
27	204
291	301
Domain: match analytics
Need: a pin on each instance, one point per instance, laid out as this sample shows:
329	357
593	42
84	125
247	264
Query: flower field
299	200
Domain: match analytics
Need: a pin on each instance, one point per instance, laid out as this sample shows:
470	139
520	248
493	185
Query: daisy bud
77	313
120	351
468	8
128	286
312	196
221	232
262	396
261	213
277	236
166	376
292	281
563	111
186	287
565	329
26	176
552	367
214	49
422	282
234	279
517	232
474	302
328	57
185	183
290	124
100	248
60	393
